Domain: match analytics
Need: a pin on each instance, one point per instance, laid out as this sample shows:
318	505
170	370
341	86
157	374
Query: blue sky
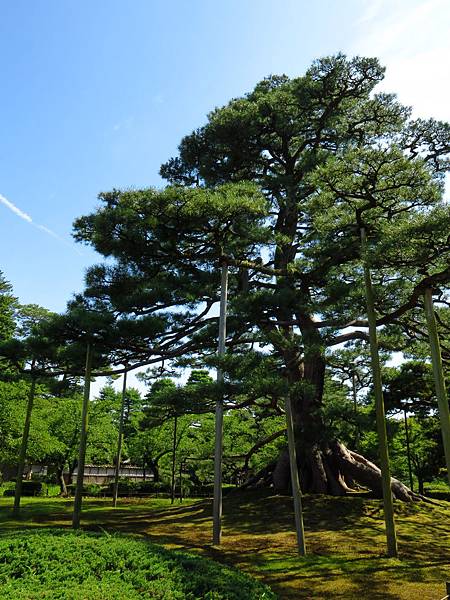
97	94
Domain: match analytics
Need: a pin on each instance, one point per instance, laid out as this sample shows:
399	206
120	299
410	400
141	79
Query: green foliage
427	455
13	398
193	403
196	225
276	183
128	486
54	432
328	156
41	565
8	305
89	489
410	387
29	488
341	417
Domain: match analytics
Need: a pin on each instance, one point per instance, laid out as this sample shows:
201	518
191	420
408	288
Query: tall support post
218	450
408	448
119	441
355	397
296	490
83	438
355	409
24	444
388	504
174	459
438	373
181	481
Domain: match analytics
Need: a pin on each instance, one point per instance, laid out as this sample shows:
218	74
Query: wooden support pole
296	490
181	481
388	504
408	449
24	445
174	458
355	409
119	441
83	438
218	450
438	373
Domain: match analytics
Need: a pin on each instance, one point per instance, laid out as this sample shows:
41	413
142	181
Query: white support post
217	503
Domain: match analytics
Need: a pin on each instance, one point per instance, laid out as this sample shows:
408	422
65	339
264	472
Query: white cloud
411	39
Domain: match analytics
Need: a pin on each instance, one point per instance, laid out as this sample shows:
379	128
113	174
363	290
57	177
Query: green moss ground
345	540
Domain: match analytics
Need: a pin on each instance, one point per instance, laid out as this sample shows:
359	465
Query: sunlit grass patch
345	540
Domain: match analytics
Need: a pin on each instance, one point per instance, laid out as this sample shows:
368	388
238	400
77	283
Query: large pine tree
331	157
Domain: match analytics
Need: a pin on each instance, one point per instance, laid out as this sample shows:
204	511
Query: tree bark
327	466
72	466
153	466
61	480
408	449
24	446
76	517
420	480
337	471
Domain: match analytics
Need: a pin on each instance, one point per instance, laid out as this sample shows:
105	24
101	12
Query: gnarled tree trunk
325	466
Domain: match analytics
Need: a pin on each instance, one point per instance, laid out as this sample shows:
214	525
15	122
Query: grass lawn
344	536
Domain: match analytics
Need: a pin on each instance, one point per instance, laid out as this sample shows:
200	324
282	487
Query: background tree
8	305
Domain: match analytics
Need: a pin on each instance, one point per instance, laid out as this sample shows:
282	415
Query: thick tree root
333	470
368	474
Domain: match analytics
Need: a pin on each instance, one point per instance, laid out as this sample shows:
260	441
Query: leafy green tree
13	397
326	173
8	305
427	454
410	388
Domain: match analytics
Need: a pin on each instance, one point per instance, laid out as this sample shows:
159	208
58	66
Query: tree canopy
330	156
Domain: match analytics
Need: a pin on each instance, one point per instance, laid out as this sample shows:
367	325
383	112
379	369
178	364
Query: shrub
92	489
126	486
29	488
40	564
89	489
155	487
131	486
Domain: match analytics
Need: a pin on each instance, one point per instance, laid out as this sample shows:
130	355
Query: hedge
66	565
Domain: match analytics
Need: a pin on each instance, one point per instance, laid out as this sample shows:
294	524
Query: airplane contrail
26	217
15	209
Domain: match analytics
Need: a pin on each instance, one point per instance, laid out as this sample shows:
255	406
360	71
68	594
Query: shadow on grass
345	540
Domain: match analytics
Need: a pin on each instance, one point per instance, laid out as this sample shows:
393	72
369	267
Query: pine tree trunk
325	466
421	482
